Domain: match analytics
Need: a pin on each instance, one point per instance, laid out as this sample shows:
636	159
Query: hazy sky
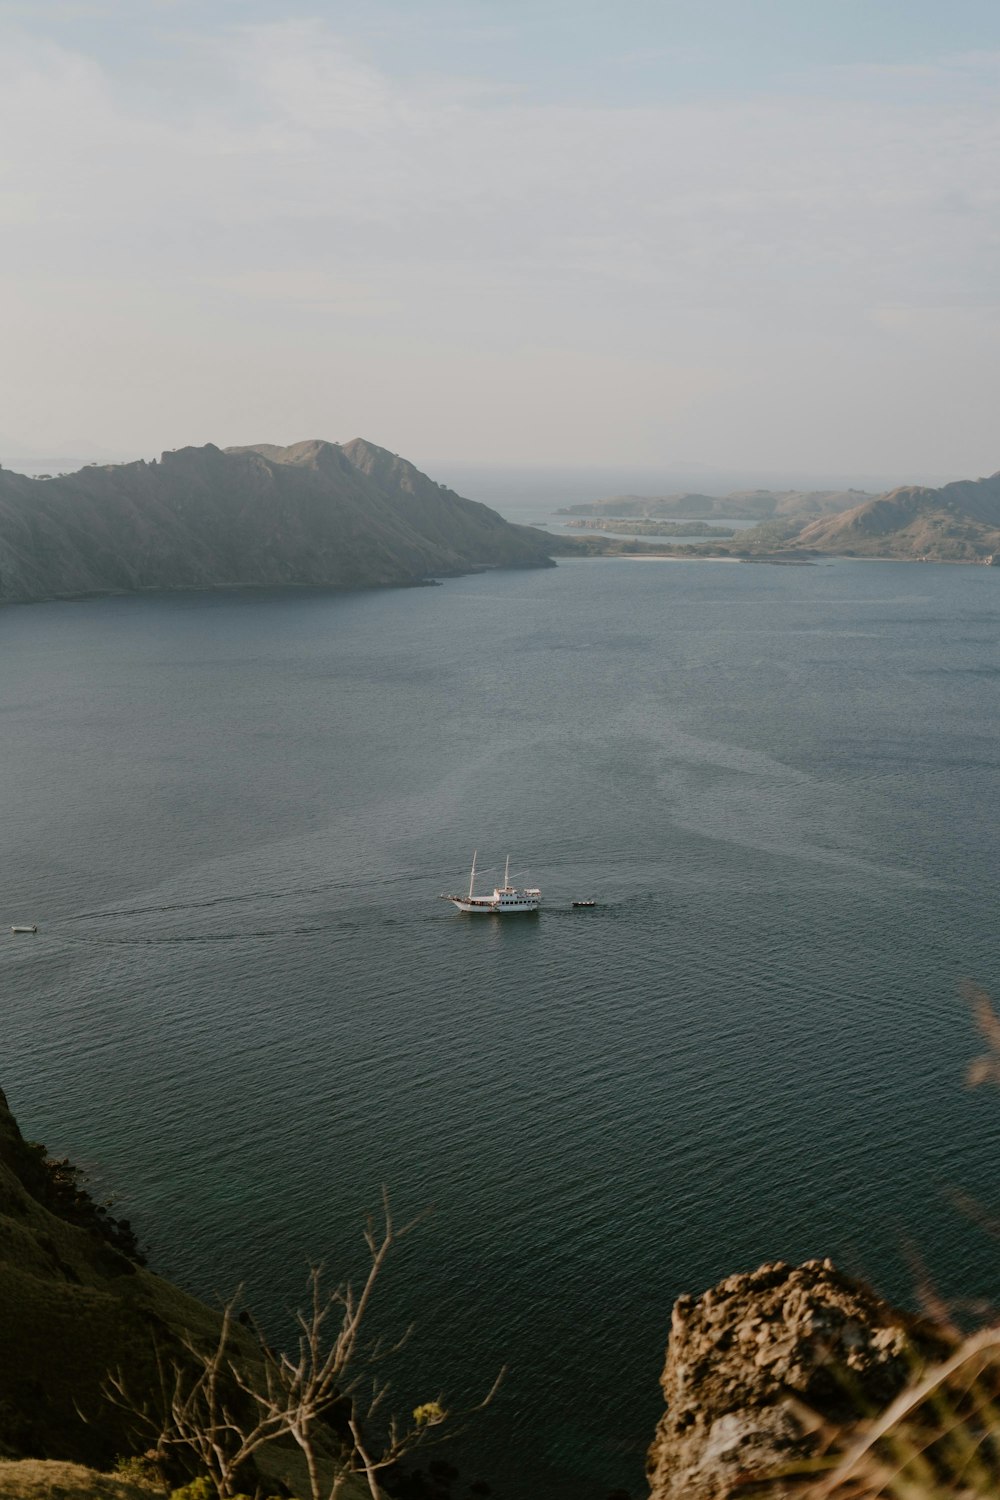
756	234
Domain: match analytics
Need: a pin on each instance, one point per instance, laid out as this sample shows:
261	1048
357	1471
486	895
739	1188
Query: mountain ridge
314	513
957	522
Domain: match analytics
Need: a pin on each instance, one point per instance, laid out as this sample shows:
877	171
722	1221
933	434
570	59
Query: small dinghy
24	928
584	903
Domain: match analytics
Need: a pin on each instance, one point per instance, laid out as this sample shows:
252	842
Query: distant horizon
514	478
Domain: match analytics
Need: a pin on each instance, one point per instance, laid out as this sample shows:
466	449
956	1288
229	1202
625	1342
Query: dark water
231	817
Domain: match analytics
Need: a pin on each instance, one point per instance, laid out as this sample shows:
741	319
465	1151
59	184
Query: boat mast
472	877
506	872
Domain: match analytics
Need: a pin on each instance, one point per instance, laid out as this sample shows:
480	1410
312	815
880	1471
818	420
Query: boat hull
484	907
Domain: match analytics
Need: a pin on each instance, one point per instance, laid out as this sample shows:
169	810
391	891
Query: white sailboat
506	901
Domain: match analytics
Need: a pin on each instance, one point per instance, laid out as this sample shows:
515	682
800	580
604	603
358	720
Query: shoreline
779	561
668	557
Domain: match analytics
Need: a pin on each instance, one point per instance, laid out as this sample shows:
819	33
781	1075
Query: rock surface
749	1356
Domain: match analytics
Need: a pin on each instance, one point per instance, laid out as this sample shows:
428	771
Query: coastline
789	561
669	557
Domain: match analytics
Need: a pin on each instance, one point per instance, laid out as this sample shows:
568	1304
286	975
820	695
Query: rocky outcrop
750	1358
316	514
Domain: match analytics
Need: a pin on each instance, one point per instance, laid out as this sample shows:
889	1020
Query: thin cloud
457	223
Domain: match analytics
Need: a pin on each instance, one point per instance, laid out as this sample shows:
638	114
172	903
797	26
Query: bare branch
220	1405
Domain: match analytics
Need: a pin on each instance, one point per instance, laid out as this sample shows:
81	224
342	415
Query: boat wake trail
244	898
103	940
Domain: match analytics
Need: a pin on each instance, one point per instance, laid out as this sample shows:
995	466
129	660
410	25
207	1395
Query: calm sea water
231	816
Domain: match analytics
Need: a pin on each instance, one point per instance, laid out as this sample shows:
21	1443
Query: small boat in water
506	901
584	903
24	928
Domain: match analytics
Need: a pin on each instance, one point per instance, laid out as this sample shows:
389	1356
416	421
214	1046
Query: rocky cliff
758	1364
317	513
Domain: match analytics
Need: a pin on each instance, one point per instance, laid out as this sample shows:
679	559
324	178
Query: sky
745	235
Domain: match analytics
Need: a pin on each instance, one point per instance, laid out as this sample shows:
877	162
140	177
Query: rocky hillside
73	1308
959	522
76	1309
323	514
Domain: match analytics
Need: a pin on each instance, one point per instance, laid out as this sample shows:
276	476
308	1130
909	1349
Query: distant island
643	526
317	513
958	522
745	505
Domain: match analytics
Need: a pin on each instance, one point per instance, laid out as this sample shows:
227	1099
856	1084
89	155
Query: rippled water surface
246	1008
